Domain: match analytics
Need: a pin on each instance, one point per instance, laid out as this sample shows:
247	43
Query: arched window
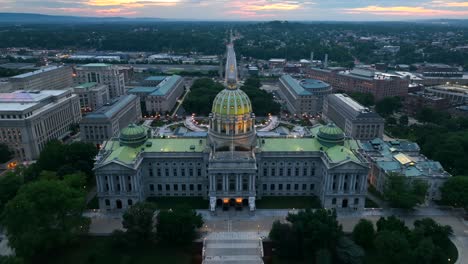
334	201
130	202
118	203
107	202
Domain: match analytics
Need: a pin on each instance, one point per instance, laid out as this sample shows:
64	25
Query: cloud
405	11
449	4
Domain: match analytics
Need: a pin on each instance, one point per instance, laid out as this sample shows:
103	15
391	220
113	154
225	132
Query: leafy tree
9	186
5	153
363	233
317	229
178	226
388	106
286	240
427	227
52	156
366	99
392	247
138	220
11	260
43	216
323	256
403	120
424	252
455	191
348	252
392	223
402	193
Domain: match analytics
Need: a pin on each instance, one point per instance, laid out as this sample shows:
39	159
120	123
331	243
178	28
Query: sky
343	10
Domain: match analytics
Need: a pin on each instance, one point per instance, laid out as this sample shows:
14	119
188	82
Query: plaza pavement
261	221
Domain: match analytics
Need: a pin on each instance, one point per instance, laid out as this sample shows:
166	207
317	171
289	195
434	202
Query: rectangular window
159	187
174	172
151	186
280	187
176	187
296	187
265	172
183	187
168	187
199	187
199	172
312	187
272	187
182	172
159	172
273	172
304	187
264	187
191	187
304	172
288	187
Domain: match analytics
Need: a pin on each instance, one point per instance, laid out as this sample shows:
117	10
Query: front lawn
288	202
99	250
173	202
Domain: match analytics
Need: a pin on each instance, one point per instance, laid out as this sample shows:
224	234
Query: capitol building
232	164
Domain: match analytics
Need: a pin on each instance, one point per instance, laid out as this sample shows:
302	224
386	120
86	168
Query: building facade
380	85
355	120
29	119
163	96
107	121
402	158
47	78
102	73
92	95
455	94
231	166
304	96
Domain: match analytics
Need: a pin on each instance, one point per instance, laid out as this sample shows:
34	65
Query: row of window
289	172
175	172
289	187
175	187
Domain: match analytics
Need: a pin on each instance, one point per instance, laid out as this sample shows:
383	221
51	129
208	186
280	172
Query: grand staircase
232	248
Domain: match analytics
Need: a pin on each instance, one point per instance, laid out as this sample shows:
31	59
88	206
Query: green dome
330	135
132	135
232	102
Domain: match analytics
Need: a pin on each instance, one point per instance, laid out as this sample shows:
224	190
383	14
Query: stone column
111	183
253	183
252	203
225	181
241	178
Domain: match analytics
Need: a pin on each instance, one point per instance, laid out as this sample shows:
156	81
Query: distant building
163	96
402	158
102	73
153	80
354	119
277	62
379	84
92	95
29	119
107	121
414	102
48	78
456	94
303	96
438	70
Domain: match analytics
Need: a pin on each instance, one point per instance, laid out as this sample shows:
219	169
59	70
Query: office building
455	94
47	78
231	165
355	120
414	102
107	121
161	97
30	119
402	158
102	73
379	84
92	95
303	96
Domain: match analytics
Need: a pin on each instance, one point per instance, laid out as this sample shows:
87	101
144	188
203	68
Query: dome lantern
133	136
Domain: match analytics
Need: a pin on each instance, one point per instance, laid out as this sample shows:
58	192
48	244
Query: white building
102	73
47	78
107	121
92	95
29	119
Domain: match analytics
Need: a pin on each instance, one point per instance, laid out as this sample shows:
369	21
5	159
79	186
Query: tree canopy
44	215
138	220
455	191
401	192
177	226
5	153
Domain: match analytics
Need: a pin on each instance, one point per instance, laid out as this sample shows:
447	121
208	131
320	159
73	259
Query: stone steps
232	248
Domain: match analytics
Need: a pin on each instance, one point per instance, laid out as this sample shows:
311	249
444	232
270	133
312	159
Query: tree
44	215
403	193
178	226
392	247
286	240
388	106
317	229
392	223
52	156
5	153
138	220
403	120
363	233
424	252
323	256
9	186
348	252
455	191
366	99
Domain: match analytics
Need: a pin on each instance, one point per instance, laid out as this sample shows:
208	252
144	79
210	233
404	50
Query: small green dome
330	134
232	102
132	135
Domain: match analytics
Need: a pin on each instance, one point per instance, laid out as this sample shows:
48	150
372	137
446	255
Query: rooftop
22	100
110	109
305	86
161	89
127	154
156	78
29	74
96	65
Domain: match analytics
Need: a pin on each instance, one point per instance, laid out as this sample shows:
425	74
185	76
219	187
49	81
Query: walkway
233	248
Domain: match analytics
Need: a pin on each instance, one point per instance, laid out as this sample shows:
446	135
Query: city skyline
247	10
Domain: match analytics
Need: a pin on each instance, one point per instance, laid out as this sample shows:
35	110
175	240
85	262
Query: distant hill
29	18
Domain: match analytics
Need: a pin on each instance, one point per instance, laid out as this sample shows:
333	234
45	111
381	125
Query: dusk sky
247	9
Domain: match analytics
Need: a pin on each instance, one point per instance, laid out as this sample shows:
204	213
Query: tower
231	121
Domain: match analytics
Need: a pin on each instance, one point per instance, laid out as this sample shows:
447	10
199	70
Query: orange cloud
132	3
404	11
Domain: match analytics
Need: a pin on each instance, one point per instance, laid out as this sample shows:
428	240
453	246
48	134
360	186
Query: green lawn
90	250
288	202
173	202
370	204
